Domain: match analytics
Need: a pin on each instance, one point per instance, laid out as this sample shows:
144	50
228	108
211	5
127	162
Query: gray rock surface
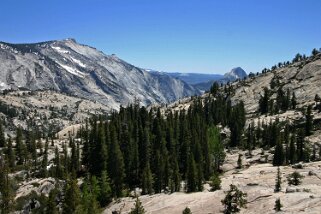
83	71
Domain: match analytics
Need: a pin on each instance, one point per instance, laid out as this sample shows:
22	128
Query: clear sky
204	36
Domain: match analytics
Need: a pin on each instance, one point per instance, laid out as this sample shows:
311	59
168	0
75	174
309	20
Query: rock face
234	74
83	71
48	110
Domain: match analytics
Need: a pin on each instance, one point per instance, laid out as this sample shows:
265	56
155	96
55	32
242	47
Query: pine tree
89	200
7	196
292	150
187	211
175	178
239	162
20	147
11	155
278	181
105	195
147	180
295	178
44	163
191	175
138	208
278	205
98	151
308	121
234	200
216	147
51	203
65	159
95	187
116	164
57	162
33	149
214	89
215	182
264	102
86	149
159	172
72	199
74	158
278	158
293	101
2	137
300	145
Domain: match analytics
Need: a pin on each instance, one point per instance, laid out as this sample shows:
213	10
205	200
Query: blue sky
204	36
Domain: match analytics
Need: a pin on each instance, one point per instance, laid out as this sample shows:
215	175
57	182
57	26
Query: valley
165	153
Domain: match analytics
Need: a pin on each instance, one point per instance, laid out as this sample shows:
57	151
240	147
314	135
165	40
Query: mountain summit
83	71
235	73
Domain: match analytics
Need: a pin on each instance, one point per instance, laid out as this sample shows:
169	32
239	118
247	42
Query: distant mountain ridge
83	71
194	78
204	82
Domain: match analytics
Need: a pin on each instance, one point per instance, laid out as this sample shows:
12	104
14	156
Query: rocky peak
83	71
236	73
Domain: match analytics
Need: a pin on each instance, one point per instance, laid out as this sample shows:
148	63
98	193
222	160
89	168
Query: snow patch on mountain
71	70
78	62
85	72
60	50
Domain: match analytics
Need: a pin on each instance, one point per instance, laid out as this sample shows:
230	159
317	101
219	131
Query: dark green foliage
293	101
239	162
105	194
98	154
20	147
278	205
138	208
2	137
116	164
10	154
191	176
216	147
237	124
234	200
300	144
6	191
187	211
141	148
51	207
308	121
44	163
147	180
72	199
298	57
282	100
314	52
32	148
295	178
215	88
89	198
8	110
58	171
264	102
215	182
278	181
278	158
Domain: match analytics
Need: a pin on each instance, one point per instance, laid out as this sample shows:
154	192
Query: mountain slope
83	71
302	78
